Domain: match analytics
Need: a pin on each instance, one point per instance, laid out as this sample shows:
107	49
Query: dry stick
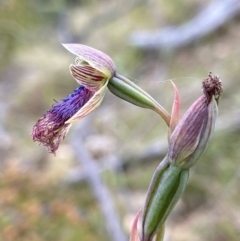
216	14
91	171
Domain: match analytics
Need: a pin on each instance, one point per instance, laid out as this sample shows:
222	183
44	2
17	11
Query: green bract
167	185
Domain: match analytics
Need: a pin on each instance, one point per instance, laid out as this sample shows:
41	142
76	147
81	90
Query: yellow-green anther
127	90
167	186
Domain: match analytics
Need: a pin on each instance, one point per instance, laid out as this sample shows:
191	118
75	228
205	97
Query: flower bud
191	135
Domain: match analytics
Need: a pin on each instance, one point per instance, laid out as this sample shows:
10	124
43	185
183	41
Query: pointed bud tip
212	86
175	115
134	232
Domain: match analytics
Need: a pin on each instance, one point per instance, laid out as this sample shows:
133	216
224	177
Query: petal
90	106
87	76
94	57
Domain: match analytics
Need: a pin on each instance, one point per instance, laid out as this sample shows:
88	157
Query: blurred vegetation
35	201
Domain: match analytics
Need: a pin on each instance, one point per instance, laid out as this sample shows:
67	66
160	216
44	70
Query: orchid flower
95	72
92	71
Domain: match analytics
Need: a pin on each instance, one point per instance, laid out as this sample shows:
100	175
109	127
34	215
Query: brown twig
213	16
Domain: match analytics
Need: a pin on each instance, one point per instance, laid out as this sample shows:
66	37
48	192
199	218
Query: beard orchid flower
92	71
95	72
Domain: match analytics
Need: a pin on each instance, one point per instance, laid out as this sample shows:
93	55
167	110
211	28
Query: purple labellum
51	128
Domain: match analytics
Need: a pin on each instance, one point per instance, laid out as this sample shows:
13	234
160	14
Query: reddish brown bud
191	135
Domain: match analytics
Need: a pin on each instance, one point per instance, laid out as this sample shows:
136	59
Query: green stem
158	108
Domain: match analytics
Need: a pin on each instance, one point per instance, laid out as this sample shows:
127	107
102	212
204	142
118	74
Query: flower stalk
187	141
127	90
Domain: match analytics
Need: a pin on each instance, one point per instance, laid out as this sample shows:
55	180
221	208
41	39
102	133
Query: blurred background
94	186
